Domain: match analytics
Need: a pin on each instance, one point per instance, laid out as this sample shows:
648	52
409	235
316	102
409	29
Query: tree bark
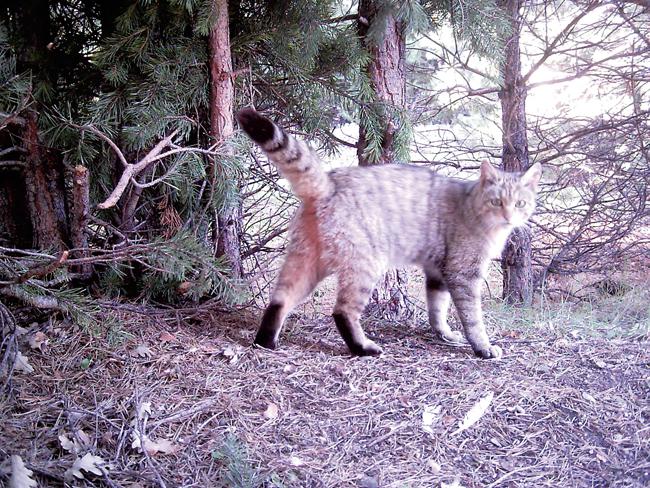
222	94
387	75
42	193
516	259
79	218
43	172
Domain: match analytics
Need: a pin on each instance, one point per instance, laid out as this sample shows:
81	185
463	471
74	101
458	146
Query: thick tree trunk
43	196
516	259
43	173
387	76
222	93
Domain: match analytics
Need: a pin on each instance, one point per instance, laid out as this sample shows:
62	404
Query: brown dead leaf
38	340
162	446
84	439
141	351
184	287
167	337
511	334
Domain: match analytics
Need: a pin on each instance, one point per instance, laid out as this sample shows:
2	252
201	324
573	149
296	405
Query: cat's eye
520	204
495	202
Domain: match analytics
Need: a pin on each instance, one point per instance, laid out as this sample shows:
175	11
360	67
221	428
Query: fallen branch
40	271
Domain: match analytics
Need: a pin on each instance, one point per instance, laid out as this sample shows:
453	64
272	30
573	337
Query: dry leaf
142	351
232	353
84	439
21	477
167	337
89	463
271	411
588	397
38	340
67	444
430	415
453	484
163	446
600	363
143	410
368	482
434	466
184	287
475	413
22	364
296	461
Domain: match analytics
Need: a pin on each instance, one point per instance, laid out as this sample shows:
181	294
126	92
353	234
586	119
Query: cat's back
389	210
395	186
385	180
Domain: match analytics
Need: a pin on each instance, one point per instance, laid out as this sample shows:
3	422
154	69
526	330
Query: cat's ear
489	174
532	176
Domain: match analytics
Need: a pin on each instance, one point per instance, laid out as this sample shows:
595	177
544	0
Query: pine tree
517	260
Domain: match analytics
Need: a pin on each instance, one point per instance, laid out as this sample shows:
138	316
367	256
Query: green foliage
237	471
483	24
182	265
14	88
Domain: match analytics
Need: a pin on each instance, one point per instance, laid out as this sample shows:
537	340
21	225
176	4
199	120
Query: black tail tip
258	127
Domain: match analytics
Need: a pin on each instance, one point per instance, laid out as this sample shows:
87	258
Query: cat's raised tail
295	160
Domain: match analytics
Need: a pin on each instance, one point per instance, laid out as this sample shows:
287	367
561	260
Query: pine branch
131	170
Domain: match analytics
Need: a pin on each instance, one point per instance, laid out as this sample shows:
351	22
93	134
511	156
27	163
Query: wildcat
357	222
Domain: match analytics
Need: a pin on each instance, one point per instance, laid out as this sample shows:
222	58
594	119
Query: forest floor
569	408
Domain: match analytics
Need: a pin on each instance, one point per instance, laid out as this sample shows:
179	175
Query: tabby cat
357	222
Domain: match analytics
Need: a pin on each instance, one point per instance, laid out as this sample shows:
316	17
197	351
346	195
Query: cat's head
507	199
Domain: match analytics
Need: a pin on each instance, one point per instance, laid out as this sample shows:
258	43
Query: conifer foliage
94	90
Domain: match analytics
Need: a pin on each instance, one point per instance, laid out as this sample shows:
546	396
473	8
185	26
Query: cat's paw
452	336
265	341
492	352
367	348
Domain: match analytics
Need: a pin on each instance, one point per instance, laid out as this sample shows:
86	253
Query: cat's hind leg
299	276
355	287
438	301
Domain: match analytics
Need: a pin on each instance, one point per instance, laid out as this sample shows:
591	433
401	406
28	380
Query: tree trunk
43	196
79	217
222	93
516	259
15	223
387	76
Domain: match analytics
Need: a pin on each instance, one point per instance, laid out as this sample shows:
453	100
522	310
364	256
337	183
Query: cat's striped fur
357	222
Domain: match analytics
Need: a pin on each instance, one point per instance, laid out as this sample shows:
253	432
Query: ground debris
310	415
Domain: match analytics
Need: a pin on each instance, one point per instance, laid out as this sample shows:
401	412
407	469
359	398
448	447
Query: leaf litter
328	432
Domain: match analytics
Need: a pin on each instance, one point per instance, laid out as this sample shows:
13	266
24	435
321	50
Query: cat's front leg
466	294
438	300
